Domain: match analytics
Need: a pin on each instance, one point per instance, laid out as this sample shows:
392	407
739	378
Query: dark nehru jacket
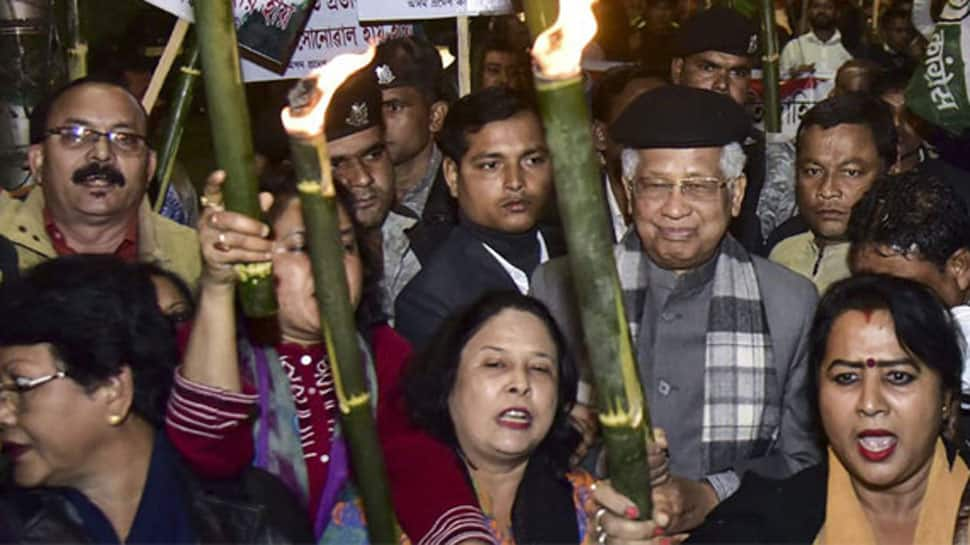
463	269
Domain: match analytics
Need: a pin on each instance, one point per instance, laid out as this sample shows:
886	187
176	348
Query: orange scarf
845	521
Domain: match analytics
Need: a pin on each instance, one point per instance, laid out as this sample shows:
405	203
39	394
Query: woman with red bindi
887	362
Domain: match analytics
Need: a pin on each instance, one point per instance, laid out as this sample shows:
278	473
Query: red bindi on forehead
870	363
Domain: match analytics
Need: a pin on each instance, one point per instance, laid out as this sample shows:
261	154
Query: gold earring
115	419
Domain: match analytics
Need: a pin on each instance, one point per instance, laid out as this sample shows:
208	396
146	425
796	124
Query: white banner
409	10
332	29
797	96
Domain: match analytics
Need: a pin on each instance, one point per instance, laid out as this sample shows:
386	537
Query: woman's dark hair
431	375
923	325
99	315
154	271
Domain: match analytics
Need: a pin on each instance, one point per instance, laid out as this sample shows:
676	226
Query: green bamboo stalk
624	415
319	204
803	19
232	137
770	68
183	93
540	15
77	51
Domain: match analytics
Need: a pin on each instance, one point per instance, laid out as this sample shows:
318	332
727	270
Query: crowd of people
797	309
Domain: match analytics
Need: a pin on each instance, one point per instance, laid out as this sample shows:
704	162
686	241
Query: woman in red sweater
227	379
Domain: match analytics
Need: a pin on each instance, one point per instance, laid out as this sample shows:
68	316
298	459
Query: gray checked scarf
741	411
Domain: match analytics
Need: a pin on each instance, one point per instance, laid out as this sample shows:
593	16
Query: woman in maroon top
287	384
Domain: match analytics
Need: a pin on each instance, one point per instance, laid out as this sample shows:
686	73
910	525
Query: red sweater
213	430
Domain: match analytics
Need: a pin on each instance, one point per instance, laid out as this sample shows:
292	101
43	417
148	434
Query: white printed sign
797	97
409	10
333	28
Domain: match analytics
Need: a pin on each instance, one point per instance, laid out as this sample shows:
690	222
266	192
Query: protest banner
797	97
409	10
333	28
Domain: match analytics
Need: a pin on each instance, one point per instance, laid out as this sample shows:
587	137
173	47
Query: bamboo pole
623	412
183	94
464	57
540	15
77	51
164	65
803	20
319	204
770	68
232	137
624	416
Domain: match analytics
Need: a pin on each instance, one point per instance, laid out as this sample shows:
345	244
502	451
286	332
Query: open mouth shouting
516	418
876	445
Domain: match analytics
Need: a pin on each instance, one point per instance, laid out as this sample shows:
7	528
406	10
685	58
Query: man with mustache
92	163
843	144
498	167
360	161
358	154
819	51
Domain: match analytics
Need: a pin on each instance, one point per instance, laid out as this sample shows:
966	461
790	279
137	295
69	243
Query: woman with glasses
86	362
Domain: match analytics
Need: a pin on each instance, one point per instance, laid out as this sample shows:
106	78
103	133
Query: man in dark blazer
498	168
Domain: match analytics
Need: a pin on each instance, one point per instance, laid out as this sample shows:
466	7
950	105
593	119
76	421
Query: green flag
938	90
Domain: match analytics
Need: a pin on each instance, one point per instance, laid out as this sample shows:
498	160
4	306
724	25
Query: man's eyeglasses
79	136
10	393
696	189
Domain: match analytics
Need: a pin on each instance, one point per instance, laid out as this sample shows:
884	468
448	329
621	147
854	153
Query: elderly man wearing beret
720	334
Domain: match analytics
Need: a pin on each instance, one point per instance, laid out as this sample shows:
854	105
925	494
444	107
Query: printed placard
409	10
797	96
333	28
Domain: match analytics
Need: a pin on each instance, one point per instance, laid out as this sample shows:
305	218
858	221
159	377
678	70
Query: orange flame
559	49
329	77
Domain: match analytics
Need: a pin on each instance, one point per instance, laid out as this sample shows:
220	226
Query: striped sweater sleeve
432	498
211	427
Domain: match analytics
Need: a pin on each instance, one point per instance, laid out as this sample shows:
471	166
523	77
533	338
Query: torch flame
558	50
328	78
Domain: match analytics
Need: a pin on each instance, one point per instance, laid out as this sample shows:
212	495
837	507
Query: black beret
675	116
717	29
355	106
409	62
